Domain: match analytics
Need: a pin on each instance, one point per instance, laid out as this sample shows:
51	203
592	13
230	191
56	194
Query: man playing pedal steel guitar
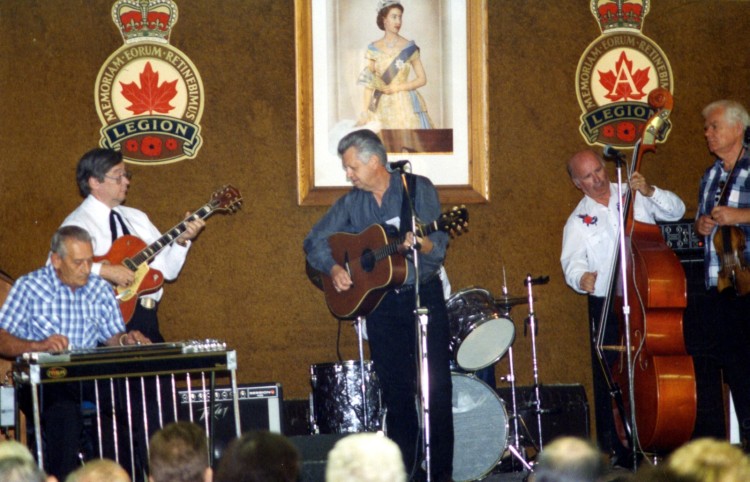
103	180
59	307
378	198
723	217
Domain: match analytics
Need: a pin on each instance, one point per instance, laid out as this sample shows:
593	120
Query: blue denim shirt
358	210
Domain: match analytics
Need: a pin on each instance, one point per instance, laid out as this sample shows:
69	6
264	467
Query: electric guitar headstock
227	198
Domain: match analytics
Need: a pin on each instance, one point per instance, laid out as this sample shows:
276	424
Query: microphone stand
421	317
626	308
363	377
533	327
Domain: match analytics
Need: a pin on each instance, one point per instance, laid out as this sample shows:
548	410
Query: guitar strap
410	192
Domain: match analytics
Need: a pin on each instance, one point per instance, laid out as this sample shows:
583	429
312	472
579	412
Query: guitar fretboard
147	253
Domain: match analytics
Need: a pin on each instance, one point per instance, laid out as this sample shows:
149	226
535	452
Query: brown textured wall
244	281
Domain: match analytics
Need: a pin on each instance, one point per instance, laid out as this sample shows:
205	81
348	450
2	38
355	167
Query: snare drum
480	335
480	428
336	402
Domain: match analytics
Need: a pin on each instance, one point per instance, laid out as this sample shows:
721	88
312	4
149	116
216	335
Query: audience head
21	469
259	457
708	460
12	448
179	453
569	459
365	457
99	470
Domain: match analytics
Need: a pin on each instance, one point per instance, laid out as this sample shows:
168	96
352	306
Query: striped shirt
739	197
40	305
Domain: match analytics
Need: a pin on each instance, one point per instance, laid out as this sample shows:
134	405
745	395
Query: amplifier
260	409
682	238
565	410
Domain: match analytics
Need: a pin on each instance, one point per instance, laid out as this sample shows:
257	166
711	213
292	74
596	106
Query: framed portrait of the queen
413	71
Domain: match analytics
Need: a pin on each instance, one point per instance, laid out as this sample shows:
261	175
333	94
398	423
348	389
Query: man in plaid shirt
60	307
723	331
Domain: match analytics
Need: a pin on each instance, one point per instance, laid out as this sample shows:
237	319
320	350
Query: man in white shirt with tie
103	181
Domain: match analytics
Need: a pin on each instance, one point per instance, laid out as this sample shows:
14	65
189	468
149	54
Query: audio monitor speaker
260	409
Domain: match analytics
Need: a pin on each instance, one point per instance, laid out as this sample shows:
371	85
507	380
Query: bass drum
480	335
336	402
480	427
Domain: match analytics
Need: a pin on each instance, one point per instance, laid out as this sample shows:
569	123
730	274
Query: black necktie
114	215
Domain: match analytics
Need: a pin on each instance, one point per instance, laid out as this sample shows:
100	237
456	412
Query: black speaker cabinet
564	411
260	409
313	450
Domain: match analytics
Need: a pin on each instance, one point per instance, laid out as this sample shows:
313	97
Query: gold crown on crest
145	20
620	14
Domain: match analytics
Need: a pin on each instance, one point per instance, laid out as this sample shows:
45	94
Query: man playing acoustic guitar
103	181
378	199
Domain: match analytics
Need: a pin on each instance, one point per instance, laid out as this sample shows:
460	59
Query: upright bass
657	410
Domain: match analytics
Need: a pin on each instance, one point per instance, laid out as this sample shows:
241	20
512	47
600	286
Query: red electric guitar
132	252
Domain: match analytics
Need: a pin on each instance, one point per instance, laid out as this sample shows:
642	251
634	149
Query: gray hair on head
19	469
734	112
367	143
65	233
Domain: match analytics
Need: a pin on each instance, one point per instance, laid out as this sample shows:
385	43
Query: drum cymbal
508	301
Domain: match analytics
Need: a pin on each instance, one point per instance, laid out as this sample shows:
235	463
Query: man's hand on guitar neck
424	244
192	228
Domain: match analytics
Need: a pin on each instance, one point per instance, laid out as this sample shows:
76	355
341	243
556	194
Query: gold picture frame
476	163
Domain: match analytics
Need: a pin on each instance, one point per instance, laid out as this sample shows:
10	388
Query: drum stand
515	450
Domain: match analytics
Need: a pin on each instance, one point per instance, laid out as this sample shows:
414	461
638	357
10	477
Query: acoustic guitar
132	252
374	264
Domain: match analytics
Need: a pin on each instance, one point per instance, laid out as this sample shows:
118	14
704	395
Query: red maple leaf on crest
624	84
150	96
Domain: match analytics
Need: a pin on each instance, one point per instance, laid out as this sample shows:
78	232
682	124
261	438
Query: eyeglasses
118	179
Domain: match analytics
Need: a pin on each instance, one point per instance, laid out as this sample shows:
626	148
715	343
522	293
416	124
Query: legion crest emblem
616	73
148	94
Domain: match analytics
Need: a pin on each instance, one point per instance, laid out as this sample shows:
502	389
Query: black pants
726	319
606	434
147	322
393	341
65	441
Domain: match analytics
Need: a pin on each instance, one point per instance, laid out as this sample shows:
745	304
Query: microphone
611	153
396	165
